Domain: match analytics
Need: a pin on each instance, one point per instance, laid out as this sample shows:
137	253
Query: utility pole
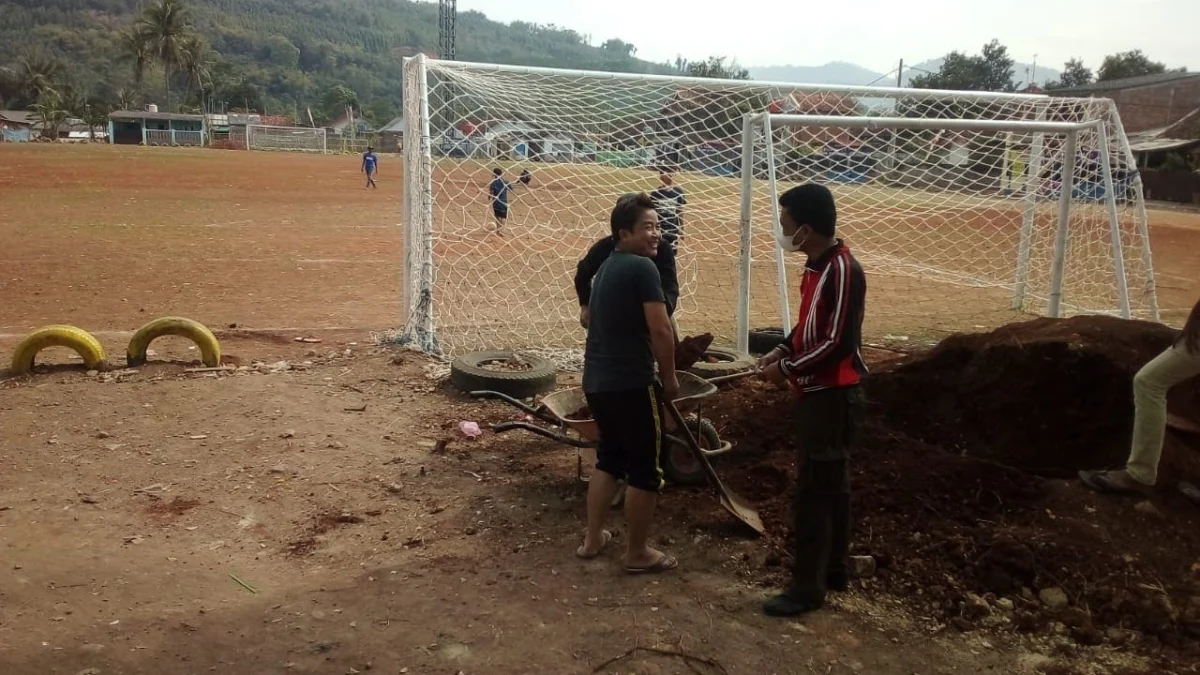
447	20
900	75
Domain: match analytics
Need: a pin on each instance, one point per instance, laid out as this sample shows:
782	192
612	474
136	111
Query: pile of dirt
951	494
1048	396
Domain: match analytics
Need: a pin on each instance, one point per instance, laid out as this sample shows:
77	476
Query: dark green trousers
828	426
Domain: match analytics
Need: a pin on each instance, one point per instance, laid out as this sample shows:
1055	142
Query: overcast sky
872	33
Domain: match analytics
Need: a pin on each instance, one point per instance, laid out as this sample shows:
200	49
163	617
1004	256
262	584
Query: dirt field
137	506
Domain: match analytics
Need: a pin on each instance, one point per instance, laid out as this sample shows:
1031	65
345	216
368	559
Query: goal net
293	139
953	201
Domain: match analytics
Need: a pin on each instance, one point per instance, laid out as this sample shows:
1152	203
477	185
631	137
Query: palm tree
135	48
50	112
36	74
197	65
166	27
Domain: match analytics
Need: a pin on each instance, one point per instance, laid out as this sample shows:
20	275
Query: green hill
284	55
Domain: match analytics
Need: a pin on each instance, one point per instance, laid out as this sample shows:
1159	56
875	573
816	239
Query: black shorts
501	210
631	435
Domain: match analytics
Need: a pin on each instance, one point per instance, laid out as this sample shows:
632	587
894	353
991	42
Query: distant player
500	191
370	164
669	202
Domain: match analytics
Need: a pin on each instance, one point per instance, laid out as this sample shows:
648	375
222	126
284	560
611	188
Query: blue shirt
500	189
369	161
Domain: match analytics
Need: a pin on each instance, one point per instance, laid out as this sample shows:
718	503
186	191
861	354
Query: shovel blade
738	508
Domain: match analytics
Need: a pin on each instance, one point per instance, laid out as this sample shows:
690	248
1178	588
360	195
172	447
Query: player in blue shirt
500	190
370	165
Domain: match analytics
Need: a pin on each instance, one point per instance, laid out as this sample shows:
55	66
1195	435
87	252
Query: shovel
732	502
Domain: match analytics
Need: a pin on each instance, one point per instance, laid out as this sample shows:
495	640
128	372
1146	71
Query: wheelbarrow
565	419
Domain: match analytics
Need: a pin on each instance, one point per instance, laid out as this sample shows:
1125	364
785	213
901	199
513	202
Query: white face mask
787	243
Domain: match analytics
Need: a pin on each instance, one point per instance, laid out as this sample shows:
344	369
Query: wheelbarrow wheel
679	465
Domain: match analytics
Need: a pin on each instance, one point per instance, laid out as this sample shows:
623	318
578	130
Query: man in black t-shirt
669	202
628	335
586	270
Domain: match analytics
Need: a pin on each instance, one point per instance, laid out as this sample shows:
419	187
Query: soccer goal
968	210
291	139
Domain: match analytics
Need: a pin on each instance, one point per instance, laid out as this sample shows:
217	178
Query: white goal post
291	139
968	210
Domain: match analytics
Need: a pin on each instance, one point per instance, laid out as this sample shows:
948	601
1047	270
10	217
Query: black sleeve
648	282
586	269
665	262
682	199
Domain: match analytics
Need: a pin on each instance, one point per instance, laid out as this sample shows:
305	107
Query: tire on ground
678	464
721	361
210	349
467	374
763	340
80	341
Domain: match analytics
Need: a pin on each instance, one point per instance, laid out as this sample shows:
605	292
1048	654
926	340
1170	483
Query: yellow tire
82	342
210	349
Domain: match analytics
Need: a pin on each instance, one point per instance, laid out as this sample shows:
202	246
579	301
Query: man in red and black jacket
822	361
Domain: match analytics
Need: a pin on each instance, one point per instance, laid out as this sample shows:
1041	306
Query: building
1146	102
391	136
150	127
16	126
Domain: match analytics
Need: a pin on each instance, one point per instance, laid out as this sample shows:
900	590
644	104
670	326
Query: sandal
1115	482
606	537
665	563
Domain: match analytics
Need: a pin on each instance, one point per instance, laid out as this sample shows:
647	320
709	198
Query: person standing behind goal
370	164
500	191
629	332
669	202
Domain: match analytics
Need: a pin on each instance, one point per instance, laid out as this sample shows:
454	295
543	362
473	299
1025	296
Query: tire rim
682	458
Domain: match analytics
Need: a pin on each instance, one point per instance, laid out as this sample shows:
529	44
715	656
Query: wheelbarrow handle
543	432
520	405
730	378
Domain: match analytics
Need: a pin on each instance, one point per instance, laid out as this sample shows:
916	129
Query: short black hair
812	205
498	171
370	148
628	210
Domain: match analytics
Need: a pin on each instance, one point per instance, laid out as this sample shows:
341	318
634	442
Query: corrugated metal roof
1162	144
1124	83
143	115
19	116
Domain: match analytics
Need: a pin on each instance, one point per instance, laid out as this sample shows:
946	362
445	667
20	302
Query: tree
1129	64
196	64
1074	74
135	49
991	70
50	112
166	27
337	99
35	73
716	67
93	111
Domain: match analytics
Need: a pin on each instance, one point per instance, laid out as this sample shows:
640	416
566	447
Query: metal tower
447	18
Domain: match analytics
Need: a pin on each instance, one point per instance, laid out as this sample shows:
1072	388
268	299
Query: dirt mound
1047	396
951	495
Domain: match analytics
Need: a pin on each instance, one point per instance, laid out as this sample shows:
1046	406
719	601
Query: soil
691	349
955	497
513	365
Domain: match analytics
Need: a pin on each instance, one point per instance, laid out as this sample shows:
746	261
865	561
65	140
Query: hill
840	72
285	55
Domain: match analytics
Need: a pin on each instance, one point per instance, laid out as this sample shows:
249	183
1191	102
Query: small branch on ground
688	658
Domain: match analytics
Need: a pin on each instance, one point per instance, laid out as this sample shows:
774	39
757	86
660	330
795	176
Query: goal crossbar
878	123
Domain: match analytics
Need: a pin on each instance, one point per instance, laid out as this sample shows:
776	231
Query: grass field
108	237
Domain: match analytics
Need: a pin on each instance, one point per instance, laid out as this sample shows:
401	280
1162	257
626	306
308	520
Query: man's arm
648	286
586	269
1191	331
829	325
662	344
665	262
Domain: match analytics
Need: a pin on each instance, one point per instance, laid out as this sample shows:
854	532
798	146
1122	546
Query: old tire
763	340
679	465
467	374
210	349
724	361
80	341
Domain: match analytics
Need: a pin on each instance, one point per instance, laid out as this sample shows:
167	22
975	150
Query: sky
875	34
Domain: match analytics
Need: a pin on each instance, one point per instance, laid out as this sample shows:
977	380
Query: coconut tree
135	49
166	27
197	64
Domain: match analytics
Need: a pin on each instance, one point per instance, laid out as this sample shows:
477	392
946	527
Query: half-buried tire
503	371
80	341
763	340
678	464
210	349
721	361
